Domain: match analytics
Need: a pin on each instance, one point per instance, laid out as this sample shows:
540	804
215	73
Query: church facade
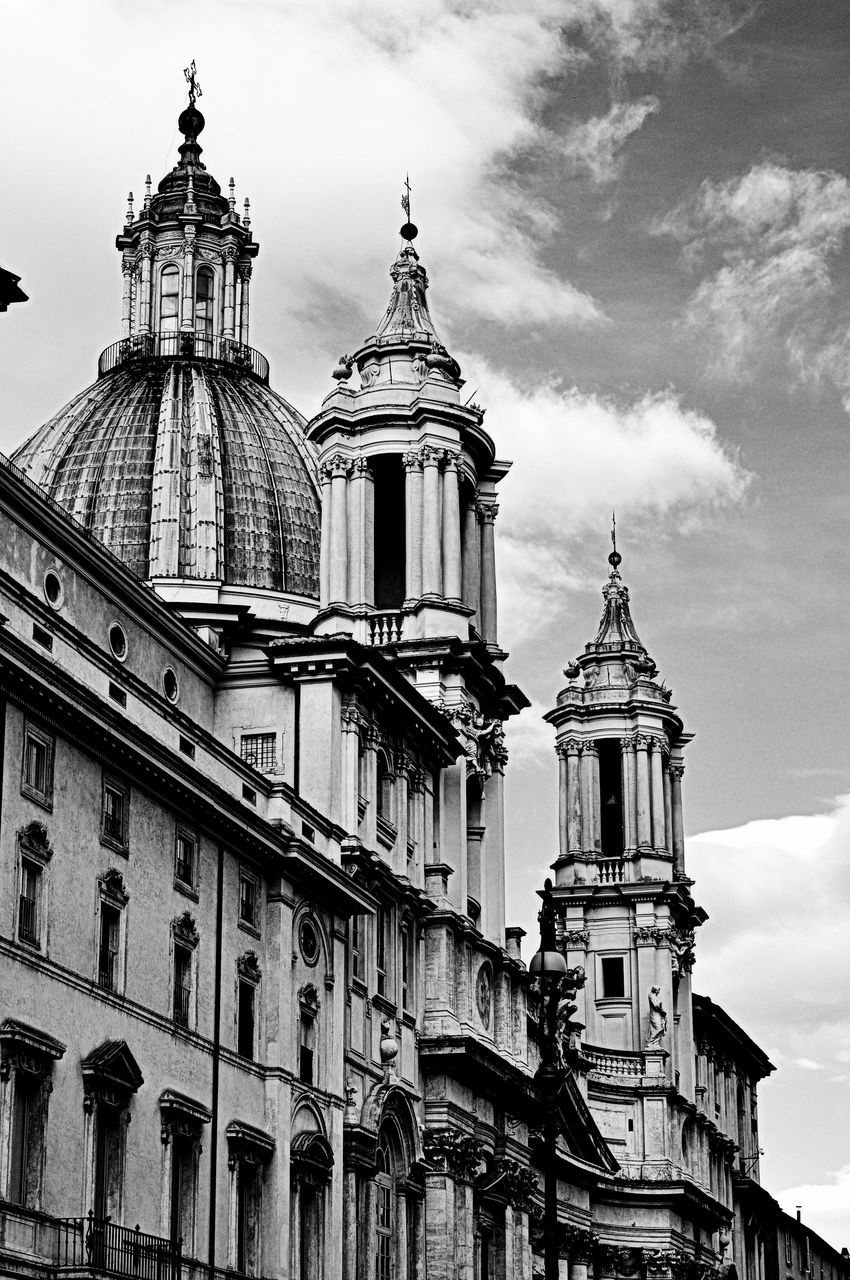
260	1009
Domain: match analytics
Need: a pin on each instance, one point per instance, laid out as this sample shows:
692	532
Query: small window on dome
169	299
204	301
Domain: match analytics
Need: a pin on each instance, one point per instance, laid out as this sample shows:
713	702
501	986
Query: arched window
204	282
169	299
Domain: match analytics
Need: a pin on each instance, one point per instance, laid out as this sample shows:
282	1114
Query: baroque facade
260	1011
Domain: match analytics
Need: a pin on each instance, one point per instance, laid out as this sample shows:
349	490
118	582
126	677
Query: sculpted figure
657	1019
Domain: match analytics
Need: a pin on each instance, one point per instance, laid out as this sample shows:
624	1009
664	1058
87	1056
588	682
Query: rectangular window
247	1217
114	817
305	1049
245	1019
107	957
356	936
182	1215
118	694
108	1170
384	1210
182	984
258	749
406	967
248	900
29	904
41	636
788	1254
381	930
37	773
185	858
169	299
613	977
22	1154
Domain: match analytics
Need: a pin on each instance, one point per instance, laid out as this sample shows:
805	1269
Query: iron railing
182	998
107	967
113	825
103	1245
183	346
28	919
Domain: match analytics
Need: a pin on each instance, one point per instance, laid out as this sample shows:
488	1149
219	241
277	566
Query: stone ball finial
389	1044
190	122
409	231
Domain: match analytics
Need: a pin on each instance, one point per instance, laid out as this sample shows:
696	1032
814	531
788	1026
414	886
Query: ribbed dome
187	468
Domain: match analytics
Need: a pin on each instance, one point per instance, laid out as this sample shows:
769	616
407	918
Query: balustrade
173	345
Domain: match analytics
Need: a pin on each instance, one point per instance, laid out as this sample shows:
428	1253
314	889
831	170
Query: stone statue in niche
657	1019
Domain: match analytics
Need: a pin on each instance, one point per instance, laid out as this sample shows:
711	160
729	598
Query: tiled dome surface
187	468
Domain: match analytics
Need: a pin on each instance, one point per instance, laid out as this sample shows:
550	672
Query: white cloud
769	240
773	889
579	455
595	145
824	1206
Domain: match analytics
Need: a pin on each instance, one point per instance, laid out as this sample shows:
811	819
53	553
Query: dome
187	466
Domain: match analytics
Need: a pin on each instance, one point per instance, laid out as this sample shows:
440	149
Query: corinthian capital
487	511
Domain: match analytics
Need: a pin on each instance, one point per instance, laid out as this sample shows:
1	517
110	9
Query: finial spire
614	559
409	231
129	207
191	75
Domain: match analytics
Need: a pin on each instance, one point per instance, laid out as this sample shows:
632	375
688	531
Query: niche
389	532
611	797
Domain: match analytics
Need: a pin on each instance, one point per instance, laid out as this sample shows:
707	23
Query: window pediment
247	1143
181	1115
31	1050
111	1074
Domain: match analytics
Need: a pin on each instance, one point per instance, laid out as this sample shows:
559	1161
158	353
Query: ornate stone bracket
450	1151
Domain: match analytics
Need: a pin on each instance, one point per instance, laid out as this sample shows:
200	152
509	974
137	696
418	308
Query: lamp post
549	967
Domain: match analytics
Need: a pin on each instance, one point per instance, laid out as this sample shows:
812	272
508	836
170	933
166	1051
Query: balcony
183	346
386	627
86	1246
107	969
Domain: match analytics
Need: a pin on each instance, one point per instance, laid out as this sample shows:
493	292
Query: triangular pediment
113	1064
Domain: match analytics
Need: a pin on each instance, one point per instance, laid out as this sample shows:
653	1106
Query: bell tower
408	483
621	888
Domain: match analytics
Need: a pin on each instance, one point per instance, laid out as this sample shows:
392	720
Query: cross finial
191	75
409	231
615	559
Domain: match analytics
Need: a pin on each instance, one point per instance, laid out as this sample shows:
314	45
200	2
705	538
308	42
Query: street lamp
549	967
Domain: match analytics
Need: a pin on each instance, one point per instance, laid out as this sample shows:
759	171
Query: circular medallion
483	997
308	941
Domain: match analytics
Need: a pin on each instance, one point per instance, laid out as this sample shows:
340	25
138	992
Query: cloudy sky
634	215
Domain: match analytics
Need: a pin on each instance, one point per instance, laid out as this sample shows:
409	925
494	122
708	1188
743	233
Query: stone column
187	302
595	797
676	771
245	278
627	758
440	1223
325	542
413	527
472	562
489	511
145	290
563	799
509	1270
127	300
574	810
350	1225
644	831
339	530
350	764
360	476
668	810
229	327
586	767
451	529
418	1228
659	839
432	578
